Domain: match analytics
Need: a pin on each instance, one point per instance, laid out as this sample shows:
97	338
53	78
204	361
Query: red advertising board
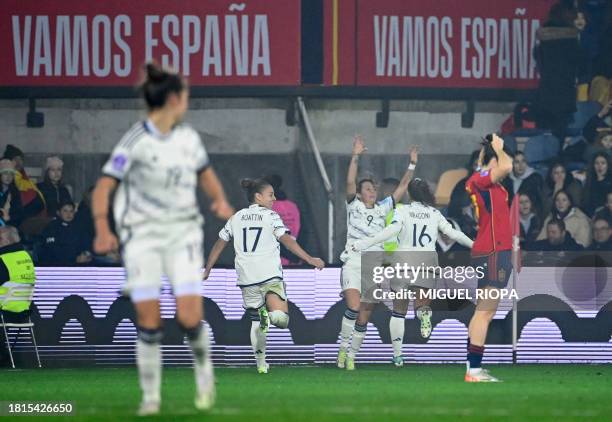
441	44
212	42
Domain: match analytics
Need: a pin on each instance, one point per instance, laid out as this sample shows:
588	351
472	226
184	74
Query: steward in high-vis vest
16	271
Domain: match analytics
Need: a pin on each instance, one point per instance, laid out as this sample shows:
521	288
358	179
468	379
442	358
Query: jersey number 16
422	236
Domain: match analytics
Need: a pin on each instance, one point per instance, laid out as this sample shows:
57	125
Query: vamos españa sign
449	43
213	42
435	44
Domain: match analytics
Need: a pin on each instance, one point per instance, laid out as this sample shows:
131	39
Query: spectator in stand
556	238
63	242
576	222
530	218
559	57
52	188
559	179
601	120
606	210
11	211
601	85
602	144
524	177
598	183
34	215
587	46
289	213
602	240
460	205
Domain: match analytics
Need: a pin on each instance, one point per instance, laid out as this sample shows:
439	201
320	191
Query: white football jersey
255	231
158	175
420	225
362	221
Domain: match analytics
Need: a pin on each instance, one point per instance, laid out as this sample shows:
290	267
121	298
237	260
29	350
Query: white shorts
174	250
254	297
351	276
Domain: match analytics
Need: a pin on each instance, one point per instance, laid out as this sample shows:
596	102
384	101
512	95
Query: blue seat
541	148
584	111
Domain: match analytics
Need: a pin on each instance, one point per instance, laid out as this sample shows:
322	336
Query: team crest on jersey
484	172
119	162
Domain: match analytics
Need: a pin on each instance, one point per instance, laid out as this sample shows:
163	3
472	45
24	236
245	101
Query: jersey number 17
245	230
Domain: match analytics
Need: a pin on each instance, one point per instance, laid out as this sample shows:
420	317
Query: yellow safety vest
392	245
21	275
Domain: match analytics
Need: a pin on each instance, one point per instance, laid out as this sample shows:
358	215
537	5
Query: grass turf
372	392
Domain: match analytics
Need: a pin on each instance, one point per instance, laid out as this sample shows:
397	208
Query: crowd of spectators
55	230
560	140
561	169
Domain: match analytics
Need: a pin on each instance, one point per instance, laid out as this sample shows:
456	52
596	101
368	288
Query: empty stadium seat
446	183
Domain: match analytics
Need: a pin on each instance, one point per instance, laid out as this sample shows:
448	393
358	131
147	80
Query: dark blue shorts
497	269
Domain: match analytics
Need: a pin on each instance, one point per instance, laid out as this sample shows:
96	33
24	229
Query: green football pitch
372	392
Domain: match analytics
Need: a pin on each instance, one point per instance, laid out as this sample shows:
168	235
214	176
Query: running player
155	169
416	226
492	248
365	217
256	232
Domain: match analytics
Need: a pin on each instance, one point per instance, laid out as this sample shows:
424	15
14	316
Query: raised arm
290	243
218	247
457	235
105	241
210	184
389	232
401	188
351	178
504	161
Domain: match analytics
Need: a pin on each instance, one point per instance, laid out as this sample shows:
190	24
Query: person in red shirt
492	250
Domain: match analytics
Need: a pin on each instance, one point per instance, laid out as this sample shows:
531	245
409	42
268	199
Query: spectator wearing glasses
602	240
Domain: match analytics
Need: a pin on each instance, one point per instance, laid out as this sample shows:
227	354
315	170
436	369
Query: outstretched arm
401	188
351	178
392	230
457	235
290	243
218	247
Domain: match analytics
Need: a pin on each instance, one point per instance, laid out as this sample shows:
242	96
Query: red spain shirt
490	202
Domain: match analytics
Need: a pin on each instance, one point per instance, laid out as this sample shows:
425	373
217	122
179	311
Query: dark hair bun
247	183
155	73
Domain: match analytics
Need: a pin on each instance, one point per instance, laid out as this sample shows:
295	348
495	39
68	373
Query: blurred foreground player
256	232
156	168
492	248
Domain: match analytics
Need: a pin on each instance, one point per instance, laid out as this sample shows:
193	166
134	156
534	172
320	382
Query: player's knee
191	330
485	316
150	335
188	320
279	319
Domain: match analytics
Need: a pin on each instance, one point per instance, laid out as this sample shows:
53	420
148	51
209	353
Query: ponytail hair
253	186
159	83
419	191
